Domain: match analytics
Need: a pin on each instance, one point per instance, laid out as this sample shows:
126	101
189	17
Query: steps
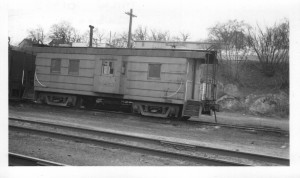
28	93
191	108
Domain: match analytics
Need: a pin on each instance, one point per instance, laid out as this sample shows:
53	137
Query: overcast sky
175	16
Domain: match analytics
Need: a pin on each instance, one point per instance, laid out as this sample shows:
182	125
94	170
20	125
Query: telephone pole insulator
130	23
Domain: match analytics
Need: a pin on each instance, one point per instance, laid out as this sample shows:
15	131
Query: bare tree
37	35
184	36
141	33
122	40
118	40
272	47
234	49
160	35
62	32
98	37
85	37
76	36
176	38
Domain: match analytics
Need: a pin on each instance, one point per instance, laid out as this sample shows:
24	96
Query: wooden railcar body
164	77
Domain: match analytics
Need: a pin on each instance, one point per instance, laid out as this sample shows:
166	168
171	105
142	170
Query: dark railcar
21	74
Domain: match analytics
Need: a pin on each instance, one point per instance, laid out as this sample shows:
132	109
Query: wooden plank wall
140	87
135	85
64	82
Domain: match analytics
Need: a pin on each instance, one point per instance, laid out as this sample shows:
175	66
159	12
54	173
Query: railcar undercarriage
112	104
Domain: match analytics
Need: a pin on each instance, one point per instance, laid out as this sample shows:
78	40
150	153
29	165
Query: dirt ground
274	144
80	154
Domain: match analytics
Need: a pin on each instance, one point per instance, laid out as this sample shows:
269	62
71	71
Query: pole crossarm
128	13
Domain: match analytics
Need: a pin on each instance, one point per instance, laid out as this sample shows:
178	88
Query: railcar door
193	80
123	77
107	75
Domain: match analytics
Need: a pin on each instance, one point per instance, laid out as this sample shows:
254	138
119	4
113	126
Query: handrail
187	71
38	80
176	91
23	77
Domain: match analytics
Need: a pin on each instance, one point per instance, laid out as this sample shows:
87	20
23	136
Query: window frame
69	67
151	77
124	68
52	68
113	67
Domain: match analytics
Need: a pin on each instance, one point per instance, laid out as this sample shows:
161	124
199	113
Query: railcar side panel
63	79
108	74
66	79
167	84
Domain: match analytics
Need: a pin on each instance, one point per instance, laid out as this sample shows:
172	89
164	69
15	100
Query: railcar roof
177	53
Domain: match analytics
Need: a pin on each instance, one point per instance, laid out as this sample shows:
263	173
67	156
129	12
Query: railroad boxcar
154	82
21	68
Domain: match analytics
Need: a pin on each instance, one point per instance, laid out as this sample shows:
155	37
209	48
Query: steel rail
23	160
264	129
178	146
144	150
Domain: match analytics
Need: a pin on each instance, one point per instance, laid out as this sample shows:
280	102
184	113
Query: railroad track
193	122
146	144
23	160
162	120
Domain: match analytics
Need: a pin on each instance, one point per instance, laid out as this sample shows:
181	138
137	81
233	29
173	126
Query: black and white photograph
149	88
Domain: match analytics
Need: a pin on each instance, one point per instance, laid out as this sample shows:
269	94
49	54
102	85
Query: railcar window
154	71
55	65
108	67
74	67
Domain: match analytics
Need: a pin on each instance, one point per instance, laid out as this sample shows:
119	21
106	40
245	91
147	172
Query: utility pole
109	37
130	23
